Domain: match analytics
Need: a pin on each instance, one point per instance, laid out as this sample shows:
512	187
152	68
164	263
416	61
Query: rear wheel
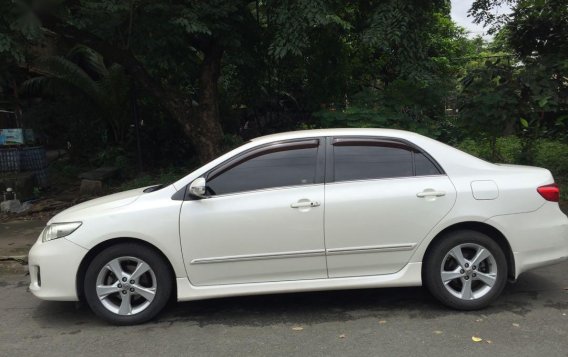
127	284
465	270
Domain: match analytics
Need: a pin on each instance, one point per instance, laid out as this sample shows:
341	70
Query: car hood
98	205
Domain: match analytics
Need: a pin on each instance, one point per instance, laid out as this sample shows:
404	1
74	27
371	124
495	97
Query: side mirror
198	188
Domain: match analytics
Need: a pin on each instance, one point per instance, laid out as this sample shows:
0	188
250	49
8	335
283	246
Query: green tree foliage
292	23
489	99
104	89
18	27
216	70
396	86
525	90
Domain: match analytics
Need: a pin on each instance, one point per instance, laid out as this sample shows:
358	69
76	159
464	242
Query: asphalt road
530	319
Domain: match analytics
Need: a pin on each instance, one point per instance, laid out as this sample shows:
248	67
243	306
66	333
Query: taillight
550	192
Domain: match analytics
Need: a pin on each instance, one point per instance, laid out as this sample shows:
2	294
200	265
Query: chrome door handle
430	193
303	204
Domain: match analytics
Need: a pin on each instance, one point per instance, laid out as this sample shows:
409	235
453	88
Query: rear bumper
537	238
53	269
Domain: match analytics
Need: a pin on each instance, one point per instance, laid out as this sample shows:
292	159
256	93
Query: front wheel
465	270
127	284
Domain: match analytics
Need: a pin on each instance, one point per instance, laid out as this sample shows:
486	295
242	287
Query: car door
263	220
382	197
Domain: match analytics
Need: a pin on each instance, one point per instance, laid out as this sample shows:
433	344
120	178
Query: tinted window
275	169
370	162
424	166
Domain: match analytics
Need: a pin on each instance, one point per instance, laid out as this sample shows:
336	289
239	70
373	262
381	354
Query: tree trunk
205	130
510	127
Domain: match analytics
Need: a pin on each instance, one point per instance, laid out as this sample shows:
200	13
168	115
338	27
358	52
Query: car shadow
533	289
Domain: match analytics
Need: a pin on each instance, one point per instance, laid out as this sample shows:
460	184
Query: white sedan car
304	211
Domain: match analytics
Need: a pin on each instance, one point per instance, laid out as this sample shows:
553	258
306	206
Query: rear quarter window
424	166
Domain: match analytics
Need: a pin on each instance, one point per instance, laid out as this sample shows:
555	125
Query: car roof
452	160
335	132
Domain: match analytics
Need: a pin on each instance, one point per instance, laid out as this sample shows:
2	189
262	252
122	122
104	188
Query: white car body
357	234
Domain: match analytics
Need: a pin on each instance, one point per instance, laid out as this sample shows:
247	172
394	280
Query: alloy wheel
126	285
469	271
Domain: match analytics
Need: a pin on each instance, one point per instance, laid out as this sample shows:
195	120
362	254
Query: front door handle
304	204
430	193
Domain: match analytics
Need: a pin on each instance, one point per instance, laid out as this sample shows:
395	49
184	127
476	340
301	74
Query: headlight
59	230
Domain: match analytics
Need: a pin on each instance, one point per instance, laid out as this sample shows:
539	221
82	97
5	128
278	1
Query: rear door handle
303	204
430	193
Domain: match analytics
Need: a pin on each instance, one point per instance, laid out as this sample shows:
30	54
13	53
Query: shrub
508	149
552	155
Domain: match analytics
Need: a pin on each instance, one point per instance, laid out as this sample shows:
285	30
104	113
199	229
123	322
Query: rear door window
361	159
371	162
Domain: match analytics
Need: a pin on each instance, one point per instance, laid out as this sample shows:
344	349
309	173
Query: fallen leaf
297	328
516	324
438	332
476	339
382	321
342	336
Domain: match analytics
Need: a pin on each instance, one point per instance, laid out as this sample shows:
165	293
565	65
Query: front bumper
537	238
53	269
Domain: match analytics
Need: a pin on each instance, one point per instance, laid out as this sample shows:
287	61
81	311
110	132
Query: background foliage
202	76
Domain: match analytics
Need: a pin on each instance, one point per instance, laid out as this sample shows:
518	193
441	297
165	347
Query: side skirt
410	275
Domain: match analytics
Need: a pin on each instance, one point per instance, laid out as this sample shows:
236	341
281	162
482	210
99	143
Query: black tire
161	272
431	274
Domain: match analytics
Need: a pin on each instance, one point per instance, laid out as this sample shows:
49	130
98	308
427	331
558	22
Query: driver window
290	167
